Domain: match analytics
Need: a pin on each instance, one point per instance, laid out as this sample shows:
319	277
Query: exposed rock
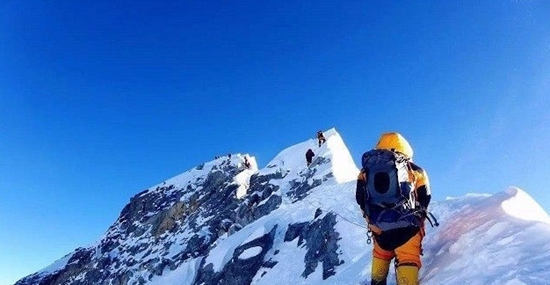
167	219
321	243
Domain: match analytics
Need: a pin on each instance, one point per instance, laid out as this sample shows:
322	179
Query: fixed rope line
337	214
351	222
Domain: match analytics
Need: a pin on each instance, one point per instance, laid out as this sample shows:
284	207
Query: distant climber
309	156
321	138
246	162
394	197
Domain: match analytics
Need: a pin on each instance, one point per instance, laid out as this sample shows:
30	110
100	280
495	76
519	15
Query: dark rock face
301	188
320	239
139	245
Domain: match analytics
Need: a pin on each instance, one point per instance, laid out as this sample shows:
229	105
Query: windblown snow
482	239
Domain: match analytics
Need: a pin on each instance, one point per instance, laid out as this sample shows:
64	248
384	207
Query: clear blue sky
102	99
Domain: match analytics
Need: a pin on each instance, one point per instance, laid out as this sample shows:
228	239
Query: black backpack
389	190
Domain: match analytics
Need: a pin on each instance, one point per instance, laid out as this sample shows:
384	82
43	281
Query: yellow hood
396	142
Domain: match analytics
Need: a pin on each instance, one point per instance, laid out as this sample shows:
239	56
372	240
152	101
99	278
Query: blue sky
102	99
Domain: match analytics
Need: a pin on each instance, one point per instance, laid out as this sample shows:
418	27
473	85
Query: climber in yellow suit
405	245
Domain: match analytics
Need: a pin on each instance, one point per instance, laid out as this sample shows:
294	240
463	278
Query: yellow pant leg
380	269
381	260
407	275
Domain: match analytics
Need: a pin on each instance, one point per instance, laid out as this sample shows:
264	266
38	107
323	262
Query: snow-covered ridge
182	180
222	223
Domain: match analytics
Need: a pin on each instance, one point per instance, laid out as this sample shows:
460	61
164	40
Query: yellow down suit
405	245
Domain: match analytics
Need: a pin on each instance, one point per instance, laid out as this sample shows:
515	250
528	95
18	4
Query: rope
337	214
351	222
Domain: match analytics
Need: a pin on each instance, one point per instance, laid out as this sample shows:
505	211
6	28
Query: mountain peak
334	152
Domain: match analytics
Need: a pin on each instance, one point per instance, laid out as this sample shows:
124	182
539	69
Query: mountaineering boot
379	271
407	275
374	282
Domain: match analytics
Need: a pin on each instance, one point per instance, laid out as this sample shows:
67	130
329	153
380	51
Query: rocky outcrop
320	238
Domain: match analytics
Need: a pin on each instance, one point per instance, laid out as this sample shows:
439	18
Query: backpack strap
412	178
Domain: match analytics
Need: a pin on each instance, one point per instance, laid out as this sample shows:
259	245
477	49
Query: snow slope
316	235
